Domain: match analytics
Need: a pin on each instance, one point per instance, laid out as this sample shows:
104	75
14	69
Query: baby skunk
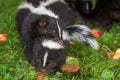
45	28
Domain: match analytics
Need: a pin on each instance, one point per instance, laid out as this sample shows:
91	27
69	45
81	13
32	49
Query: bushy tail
80	33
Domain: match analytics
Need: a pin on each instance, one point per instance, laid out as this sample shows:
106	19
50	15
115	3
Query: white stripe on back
59	30
44	11
40	10
45	59
49	2
25	5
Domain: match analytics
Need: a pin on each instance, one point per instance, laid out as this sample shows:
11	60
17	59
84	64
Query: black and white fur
45	28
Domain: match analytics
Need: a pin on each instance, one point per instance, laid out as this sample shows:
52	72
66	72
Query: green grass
95	65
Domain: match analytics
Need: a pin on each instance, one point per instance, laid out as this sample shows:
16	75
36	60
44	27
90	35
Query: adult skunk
45	28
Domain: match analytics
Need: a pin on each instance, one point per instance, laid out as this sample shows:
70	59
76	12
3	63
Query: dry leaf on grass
69	58
70	68
40	75
96	33
110	53
117	54
71	42
3	37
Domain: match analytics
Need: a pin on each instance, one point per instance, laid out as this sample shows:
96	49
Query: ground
95	64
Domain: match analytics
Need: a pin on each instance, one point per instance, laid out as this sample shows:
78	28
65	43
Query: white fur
83	27
45	59
77	35
26	5
59	29
40	10
93	43
43	11
49	2
87	6
81	34
65	35
51	44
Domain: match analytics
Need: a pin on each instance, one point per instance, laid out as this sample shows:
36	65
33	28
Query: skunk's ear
43	21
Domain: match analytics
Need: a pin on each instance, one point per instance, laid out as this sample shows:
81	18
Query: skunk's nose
43	70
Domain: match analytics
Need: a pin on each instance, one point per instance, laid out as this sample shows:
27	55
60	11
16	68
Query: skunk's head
49	55
48	26
43	26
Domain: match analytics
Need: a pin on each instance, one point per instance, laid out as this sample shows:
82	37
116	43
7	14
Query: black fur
35	28
21	14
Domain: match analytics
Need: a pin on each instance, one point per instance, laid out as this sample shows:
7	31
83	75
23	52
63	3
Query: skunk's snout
59	41
48	67
43	69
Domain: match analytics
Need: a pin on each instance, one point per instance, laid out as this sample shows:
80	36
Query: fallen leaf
110	53
118	51
70	68
69	58
96	33
40	75
71	42
117	54
3	37
72	60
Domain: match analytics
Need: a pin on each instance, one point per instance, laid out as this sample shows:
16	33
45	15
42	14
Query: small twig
106	48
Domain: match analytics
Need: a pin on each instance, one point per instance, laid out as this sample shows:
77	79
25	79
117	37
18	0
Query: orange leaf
110	53
3	37
117	54
70	68
40	75
96	33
